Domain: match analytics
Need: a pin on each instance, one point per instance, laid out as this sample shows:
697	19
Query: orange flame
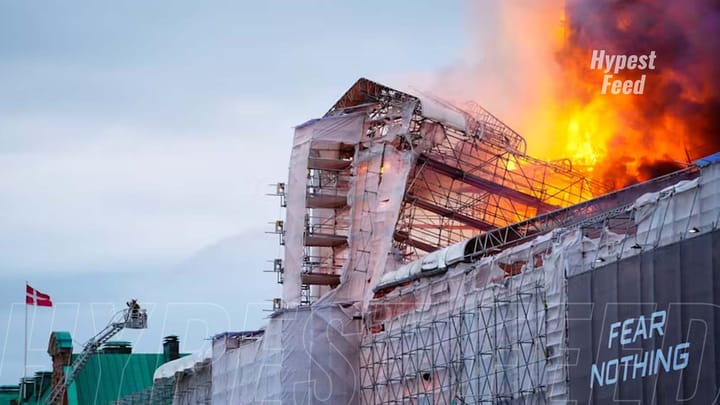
529	64
624	138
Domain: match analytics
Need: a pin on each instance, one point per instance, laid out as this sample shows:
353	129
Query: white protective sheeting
346	129
306	355
442	113
456	253
183	363
398	118
679	211
440	259
295	215
400	274
194	386
375	202
248	372
472	335
381	175
434	260
406	272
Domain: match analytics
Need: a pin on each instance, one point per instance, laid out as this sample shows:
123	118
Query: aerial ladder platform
133	317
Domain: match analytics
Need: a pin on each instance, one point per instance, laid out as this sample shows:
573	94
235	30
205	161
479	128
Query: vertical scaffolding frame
489	346
325	236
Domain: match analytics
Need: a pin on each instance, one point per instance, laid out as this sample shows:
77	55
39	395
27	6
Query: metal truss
473	179
489	347
611	207
480	180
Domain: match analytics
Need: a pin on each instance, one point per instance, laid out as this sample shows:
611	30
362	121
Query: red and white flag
35	297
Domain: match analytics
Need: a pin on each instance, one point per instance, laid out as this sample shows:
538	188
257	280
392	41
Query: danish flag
35	297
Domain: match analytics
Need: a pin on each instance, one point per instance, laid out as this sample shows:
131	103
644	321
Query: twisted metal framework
471	180
504	342
612	210
429	342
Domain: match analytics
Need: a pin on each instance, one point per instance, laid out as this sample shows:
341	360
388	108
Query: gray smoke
684	87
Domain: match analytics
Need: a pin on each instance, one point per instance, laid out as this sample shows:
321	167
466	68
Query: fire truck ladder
133	318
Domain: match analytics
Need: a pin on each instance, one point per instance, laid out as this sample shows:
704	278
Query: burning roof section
386	177
471	173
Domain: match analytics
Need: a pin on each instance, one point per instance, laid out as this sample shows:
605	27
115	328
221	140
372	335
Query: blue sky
137	141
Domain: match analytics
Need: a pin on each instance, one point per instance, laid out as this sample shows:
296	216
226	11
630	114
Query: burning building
386	177
429	259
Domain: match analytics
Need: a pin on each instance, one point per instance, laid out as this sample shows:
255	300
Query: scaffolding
326	224
455	245
446	172
493	328
456	173
326	228
471	172
459	340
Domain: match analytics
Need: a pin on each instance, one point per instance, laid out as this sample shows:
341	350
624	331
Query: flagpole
26	342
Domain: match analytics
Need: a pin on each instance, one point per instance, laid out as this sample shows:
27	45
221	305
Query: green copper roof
108	377
8	393
41	389
63	339
105	378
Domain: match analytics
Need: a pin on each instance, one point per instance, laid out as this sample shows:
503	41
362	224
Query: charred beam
450	214
320	279
404	237
487	185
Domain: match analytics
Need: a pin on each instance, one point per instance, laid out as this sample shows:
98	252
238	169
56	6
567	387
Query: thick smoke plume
528	62
677	118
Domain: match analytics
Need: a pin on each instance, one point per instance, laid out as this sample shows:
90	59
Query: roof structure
108	377
428	260
386	173
8	393
38	389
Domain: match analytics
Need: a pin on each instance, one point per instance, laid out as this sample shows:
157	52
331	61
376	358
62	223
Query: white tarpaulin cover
477	335
669	214
194	386
469	336
346	129
375	202
183	363
306	355
442	113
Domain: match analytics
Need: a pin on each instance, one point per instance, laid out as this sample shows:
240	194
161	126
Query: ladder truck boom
133	317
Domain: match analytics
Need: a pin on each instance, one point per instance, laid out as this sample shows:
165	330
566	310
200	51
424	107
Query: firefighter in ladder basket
133	315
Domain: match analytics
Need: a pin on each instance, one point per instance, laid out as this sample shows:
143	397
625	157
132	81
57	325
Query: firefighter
134	308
